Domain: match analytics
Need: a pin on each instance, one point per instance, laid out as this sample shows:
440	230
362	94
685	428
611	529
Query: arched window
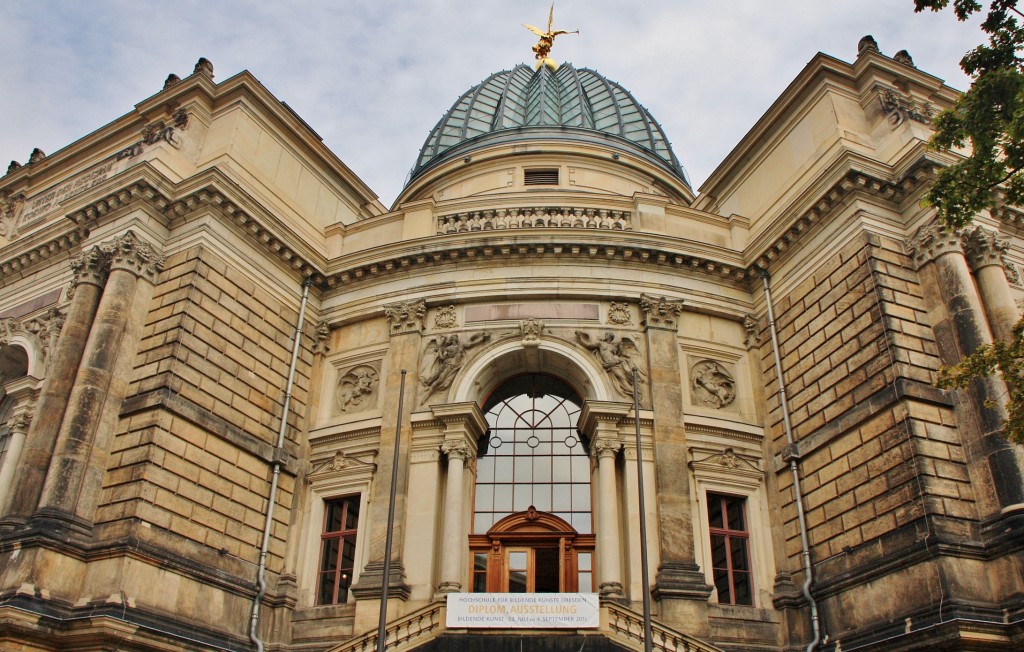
532	491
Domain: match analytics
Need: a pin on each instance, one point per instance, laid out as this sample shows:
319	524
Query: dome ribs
578	100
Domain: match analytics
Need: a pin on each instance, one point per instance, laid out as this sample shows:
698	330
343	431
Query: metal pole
644	574
390	538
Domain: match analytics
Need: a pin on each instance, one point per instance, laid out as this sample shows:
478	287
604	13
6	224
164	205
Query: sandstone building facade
208	321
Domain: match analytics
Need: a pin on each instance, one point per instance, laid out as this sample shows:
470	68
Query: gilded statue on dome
547	39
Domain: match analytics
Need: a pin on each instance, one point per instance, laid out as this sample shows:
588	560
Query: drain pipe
793	455
261	574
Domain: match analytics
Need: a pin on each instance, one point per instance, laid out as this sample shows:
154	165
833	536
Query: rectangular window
479	572
730	549
337	549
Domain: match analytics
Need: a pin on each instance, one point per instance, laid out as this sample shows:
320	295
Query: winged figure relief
617	357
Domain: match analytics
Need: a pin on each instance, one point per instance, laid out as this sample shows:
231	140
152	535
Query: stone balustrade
538	217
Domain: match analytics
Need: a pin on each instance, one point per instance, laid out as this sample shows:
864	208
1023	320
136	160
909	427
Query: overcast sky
372	77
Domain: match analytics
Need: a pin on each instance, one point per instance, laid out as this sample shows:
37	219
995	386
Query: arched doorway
532	518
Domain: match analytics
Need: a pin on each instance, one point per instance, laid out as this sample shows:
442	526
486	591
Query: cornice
530	243
854	182
211	198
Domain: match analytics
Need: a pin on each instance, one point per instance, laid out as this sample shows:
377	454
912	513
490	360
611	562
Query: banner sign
523	610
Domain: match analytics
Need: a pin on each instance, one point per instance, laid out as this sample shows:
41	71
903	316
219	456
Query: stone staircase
621	629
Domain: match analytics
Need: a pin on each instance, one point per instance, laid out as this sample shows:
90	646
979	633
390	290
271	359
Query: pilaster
679	585
24	392
464	424
405	322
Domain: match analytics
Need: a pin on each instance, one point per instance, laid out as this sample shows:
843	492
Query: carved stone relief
617	357
406	316
660	312
531	330
899	107
446	317
618	314
712	385
984	247
43	329
321	339
357	389
752	329
442	359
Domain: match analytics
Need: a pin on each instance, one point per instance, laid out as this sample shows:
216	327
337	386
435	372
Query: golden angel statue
547	39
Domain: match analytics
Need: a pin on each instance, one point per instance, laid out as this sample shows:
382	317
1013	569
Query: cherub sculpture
618	358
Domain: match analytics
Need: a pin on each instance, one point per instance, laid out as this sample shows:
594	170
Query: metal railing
626	627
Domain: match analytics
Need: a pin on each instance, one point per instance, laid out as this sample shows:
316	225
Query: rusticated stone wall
878	444
194	449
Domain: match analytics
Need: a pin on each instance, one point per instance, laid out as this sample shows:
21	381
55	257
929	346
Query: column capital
89	267
131	253
406	316
931	241
660	312
985	248
456	449
605	447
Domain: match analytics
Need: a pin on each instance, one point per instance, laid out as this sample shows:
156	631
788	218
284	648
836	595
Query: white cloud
372	77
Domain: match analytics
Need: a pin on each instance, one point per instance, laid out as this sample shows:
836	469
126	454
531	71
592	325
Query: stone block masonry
193	449
878	444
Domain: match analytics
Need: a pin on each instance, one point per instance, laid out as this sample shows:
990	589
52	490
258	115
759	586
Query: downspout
793	454
261	574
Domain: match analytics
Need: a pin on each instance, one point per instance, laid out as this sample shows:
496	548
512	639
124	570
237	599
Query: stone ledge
165	398
29	618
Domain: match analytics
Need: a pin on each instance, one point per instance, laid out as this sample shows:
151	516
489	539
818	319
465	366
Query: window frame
339	596
733	471
730	535
327	483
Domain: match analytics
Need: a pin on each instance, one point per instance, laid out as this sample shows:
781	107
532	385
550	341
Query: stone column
960	330
23	391
679	586
464	424
986	253
406	325
599	422
90	274
117	323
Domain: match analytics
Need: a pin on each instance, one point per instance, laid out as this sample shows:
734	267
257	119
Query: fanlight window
532	519
533	455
